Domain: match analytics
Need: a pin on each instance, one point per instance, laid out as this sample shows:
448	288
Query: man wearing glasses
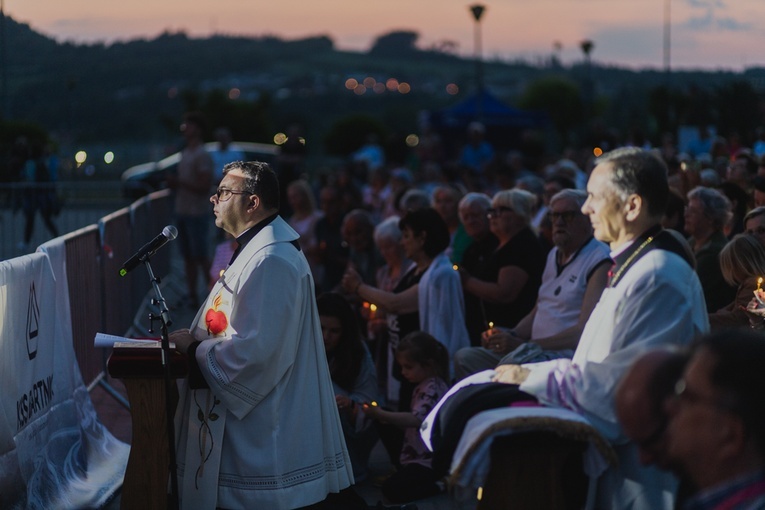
653	299
257	424
717	423
574	277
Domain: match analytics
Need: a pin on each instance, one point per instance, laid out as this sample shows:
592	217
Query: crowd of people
580	285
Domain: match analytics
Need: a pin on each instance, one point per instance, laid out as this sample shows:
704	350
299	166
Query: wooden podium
147	474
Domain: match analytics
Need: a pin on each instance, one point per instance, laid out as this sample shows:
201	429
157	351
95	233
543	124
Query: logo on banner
33	323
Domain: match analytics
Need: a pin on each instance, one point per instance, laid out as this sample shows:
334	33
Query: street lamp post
477	10
587	47
3	73
667	37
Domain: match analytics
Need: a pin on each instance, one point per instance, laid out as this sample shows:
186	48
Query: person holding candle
387	237
742	262
653	299
473	214
508	282
428	297
354	378
574	278
425	364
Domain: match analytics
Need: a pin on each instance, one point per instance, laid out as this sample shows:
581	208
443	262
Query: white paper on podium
104	340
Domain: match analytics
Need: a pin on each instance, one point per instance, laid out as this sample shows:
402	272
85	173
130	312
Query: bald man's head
640	397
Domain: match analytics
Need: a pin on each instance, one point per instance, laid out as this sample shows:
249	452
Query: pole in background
477	10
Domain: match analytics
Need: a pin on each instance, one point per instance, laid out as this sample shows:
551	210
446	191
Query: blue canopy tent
504	124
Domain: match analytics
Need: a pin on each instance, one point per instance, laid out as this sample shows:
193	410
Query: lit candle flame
759	283
491	325
373	307
455	267
373	403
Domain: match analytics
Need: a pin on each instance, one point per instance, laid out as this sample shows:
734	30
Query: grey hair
473	198
579	196
716	206
452	189
414	199
532	183
387	230
640	172
521	201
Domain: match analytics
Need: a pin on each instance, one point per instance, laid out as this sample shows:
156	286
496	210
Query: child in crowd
424	362
354	378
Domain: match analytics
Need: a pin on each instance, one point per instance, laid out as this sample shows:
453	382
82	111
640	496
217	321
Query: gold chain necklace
623	267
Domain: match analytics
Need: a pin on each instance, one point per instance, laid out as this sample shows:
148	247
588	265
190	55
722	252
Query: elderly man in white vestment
257	425
654	298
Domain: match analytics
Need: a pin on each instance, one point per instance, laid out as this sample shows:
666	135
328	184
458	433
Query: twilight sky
709	34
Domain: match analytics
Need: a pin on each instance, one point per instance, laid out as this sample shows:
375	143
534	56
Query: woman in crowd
508	283
387	238
303	220
353	377
742	262
428	297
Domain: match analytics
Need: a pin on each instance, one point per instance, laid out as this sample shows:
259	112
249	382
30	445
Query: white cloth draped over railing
54	453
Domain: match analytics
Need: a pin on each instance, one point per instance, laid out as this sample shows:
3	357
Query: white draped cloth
441	304
267	432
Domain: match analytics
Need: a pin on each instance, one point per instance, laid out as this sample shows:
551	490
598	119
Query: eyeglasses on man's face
683	394
497	211
566	216
223	194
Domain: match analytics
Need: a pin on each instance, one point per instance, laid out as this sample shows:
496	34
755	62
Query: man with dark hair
742	170
653	299
257	424
717	422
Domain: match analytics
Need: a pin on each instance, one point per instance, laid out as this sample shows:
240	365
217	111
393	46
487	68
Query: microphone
168	234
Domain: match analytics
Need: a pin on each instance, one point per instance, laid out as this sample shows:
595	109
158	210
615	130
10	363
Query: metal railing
100	299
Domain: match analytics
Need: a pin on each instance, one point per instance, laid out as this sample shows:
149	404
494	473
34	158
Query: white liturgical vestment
266	434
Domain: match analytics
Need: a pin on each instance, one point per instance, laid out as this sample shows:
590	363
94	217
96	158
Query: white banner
54	453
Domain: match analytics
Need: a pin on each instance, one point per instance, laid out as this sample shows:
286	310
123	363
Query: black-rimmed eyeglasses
566	216
223	194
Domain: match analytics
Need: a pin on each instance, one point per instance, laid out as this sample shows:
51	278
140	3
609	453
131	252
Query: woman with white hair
387	238
508	283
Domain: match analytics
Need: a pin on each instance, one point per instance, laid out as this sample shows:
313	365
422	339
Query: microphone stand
164	318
